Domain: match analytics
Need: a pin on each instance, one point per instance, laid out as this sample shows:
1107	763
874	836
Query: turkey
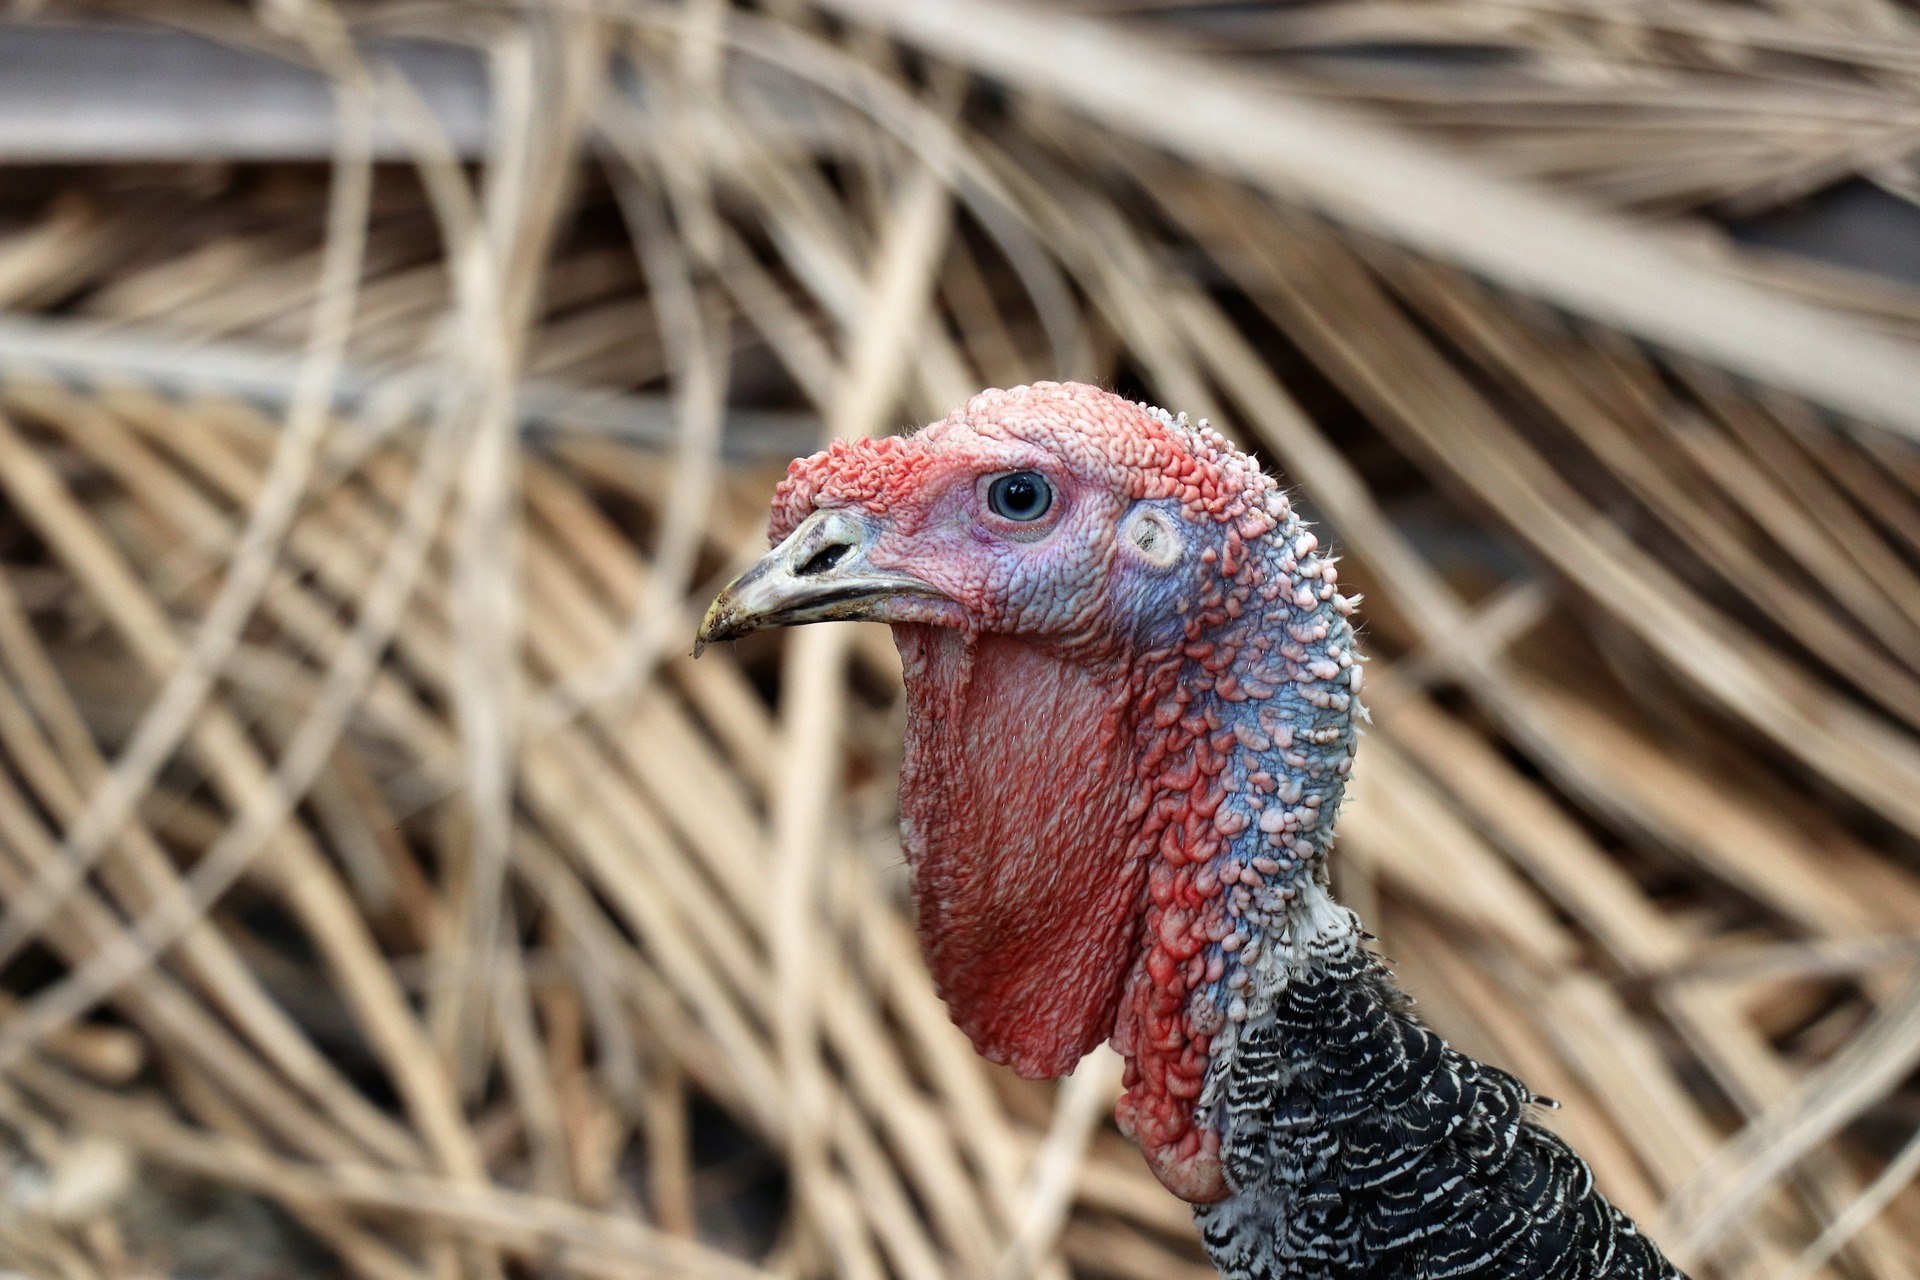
1132	707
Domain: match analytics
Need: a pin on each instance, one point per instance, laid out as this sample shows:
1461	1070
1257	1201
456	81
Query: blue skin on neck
1247	705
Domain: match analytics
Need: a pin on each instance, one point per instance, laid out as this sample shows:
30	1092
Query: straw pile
380	871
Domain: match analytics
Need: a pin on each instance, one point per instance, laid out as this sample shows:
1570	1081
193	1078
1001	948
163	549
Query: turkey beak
819	574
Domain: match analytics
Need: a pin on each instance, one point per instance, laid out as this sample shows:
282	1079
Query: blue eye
1024	495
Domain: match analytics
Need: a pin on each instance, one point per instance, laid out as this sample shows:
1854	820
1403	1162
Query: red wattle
1056	909
1026	870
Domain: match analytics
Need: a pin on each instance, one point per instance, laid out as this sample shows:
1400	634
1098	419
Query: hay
372	850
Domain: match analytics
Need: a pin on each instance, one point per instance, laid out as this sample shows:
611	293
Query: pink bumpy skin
1129	724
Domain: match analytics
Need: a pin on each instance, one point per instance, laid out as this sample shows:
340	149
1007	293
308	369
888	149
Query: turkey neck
1134	849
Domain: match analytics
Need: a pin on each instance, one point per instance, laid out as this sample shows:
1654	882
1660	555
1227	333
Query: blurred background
385	388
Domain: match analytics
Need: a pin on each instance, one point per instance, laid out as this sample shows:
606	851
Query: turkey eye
1024	495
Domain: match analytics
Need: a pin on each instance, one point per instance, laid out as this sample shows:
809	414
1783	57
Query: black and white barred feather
1359	1144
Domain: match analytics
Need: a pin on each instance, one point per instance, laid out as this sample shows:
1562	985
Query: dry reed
370	847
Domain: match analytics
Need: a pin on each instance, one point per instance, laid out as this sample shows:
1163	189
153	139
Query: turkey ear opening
1015	798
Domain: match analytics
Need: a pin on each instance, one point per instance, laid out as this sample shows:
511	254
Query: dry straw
370	846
